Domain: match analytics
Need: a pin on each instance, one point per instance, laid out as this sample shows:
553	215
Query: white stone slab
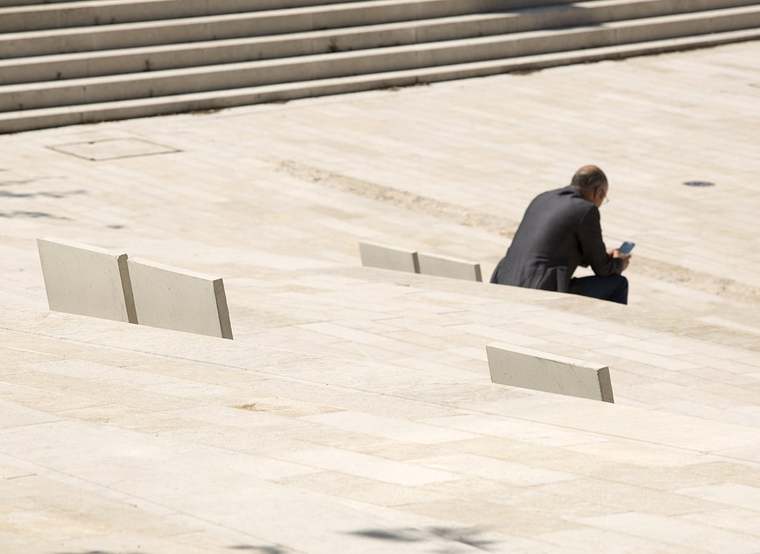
370	467
392	428
486	467
388	257
530	369
731	494
440	266
85	280
670	530
181	300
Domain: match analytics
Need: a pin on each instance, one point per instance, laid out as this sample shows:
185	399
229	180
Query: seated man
560	231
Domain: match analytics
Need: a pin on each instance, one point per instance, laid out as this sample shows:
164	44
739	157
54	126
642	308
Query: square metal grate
113	149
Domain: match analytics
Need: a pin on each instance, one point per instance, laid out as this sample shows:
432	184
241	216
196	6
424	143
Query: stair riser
656	8
238	26
172	106
30	17
242	50
27	18
17	3
30	97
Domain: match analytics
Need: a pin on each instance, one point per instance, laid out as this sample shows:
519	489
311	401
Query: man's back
559	231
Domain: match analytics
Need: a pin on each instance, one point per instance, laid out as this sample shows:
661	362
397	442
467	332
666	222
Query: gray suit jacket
559	231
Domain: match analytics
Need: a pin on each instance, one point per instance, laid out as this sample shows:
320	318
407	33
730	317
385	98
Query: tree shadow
571	16
26	181
103	552
43	194
31	215
459	536
261	549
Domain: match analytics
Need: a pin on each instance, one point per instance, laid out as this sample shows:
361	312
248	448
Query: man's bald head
589	179
591	183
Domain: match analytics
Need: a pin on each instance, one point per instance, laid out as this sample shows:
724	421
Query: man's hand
625	257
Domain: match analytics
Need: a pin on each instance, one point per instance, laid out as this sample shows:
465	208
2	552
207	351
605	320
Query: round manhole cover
699	183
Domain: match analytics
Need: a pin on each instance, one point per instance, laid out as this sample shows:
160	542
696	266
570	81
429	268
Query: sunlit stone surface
354	410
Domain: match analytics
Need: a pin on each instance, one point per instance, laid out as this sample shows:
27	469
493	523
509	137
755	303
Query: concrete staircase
64	62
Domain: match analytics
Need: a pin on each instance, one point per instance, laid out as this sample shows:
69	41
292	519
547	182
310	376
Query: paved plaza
353	411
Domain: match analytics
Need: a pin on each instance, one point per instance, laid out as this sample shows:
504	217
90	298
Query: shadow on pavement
463	536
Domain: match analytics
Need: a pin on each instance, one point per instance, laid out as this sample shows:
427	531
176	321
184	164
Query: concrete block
86	280
386	257
530	369
441	266
181	300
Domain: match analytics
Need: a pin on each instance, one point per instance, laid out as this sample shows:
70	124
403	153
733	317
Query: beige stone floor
354	412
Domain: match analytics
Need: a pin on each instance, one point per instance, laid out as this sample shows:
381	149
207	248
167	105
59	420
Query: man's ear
599	194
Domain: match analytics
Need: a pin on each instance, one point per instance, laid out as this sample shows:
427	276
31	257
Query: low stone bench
85	280
530	369
91	281
388	257
181	300
441	266
398	259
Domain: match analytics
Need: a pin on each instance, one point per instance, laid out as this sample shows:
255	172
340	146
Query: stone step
15	15
257	23
91	113
17	3
378	60
152	58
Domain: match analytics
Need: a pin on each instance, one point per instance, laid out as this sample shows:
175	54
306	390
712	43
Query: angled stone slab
441	266
177	299
86	280
388	257
530	369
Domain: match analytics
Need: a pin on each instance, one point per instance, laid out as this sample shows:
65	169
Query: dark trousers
613	288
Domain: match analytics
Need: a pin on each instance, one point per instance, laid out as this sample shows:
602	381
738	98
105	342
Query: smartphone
626	248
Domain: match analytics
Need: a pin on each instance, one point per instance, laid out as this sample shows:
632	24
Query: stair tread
326	8
285	12
407	48
251	40
305	35
503	65
309	57
137	4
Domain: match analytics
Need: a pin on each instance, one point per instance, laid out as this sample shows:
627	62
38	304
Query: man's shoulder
561	191
550	195
568	197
